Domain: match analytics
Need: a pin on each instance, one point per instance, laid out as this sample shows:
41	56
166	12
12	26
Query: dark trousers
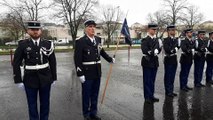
90	91
149	75
44	97
209	71
169	77
198	71
184	74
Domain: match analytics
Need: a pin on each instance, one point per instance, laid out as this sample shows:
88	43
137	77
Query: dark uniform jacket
209	56
148	45
32	55
169	45
187	53
200	50
86	51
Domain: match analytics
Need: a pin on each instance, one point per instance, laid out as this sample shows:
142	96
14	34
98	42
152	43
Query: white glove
21	86
206	49
193	51
113	60
156	51
82	78
176	49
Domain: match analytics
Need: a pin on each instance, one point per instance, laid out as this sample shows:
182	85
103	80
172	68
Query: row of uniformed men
199	50
40	66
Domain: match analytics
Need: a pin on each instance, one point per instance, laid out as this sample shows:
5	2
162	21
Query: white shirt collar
154	36
93	38
38	40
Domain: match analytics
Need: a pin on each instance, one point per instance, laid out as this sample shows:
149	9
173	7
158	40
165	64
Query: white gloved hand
156	51
82	78
206	50
113	60
21	86
193	51
176	49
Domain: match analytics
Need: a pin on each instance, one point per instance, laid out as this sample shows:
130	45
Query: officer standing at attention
199	58
151	47
171	46
87	54
186	59
39	70
209	60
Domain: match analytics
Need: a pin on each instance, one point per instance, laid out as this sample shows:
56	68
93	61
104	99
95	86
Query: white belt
170	55
209	53
91	63
36	67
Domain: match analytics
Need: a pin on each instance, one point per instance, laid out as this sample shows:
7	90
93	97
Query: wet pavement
124	98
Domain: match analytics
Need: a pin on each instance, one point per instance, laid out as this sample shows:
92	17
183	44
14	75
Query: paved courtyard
124	98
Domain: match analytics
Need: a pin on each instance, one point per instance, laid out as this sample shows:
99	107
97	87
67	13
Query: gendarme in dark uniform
199	58
39	62
88	51
150	47
209	60
186	59
171	44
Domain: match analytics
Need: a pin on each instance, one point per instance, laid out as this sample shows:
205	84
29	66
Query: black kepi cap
188	30
89	22
171	27
152	26
33	24
211	33
201	32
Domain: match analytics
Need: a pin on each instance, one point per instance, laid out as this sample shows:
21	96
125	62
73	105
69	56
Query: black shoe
210	82
174	94
198	85
87	118
154	99
170	95
189	88
149	101
184	89
95	118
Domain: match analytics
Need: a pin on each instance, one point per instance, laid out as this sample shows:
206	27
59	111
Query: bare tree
74	12
111	18
174	10
192	16
12	27
23	10
159	18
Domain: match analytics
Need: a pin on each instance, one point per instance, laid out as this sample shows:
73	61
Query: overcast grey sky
139	9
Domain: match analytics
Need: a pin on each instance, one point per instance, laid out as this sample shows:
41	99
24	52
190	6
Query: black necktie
36	44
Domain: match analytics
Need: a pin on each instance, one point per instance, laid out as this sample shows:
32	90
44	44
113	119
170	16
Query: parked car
12	42
61	41
138	41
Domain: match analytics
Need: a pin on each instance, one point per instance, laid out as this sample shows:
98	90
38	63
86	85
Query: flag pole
129	47
110	71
